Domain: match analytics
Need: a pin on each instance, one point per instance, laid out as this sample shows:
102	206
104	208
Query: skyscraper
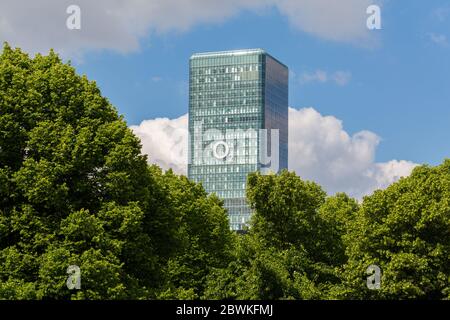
238	123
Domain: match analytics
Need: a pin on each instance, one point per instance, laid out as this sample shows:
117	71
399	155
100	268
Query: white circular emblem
225	152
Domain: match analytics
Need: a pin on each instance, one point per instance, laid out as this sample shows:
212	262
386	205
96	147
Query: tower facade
238	123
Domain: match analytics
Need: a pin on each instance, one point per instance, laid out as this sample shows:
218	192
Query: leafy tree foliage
405	230
201	231
73	179
291	249
304	245
76	190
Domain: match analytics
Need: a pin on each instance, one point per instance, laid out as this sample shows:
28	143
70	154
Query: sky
366	106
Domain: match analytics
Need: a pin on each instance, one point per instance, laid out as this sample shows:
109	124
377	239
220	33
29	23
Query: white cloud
316	76
340	78
117	25
165	142
439	39
319	150
388	172
343	20
120	25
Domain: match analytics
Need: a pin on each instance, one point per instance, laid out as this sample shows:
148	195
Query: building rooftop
227	53
234	53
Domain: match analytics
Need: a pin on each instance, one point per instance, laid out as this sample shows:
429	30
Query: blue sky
400	89
370	104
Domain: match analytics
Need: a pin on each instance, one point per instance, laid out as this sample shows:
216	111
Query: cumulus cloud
343	20
319	150
165	141
340	78
120	25
117	25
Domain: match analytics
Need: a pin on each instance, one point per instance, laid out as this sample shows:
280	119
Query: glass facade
232	96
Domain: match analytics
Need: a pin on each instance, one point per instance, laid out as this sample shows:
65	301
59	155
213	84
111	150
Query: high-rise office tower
238	123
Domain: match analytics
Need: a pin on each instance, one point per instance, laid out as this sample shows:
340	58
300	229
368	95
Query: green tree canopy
76	190
73	185
405	230
304	245
292	247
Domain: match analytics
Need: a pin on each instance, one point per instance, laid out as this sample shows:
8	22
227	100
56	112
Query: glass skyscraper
233	97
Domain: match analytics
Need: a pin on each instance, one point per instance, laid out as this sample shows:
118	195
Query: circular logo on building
220	150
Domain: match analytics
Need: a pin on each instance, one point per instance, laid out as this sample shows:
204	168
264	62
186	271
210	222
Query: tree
304	245
76	190
405	230
338	212
204	241
74	187
289	251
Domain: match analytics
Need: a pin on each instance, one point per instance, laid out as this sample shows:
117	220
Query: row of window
224	186
248	148
229	110
236	160
229	160
226	58
227	194
224	147
244	76
238	202
225	124
225	90
251	122
243	212
253	102
224	95
214	98
224	69
229	86
224	177
220	147
226	86
217	123
225	132
239	217
221	169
